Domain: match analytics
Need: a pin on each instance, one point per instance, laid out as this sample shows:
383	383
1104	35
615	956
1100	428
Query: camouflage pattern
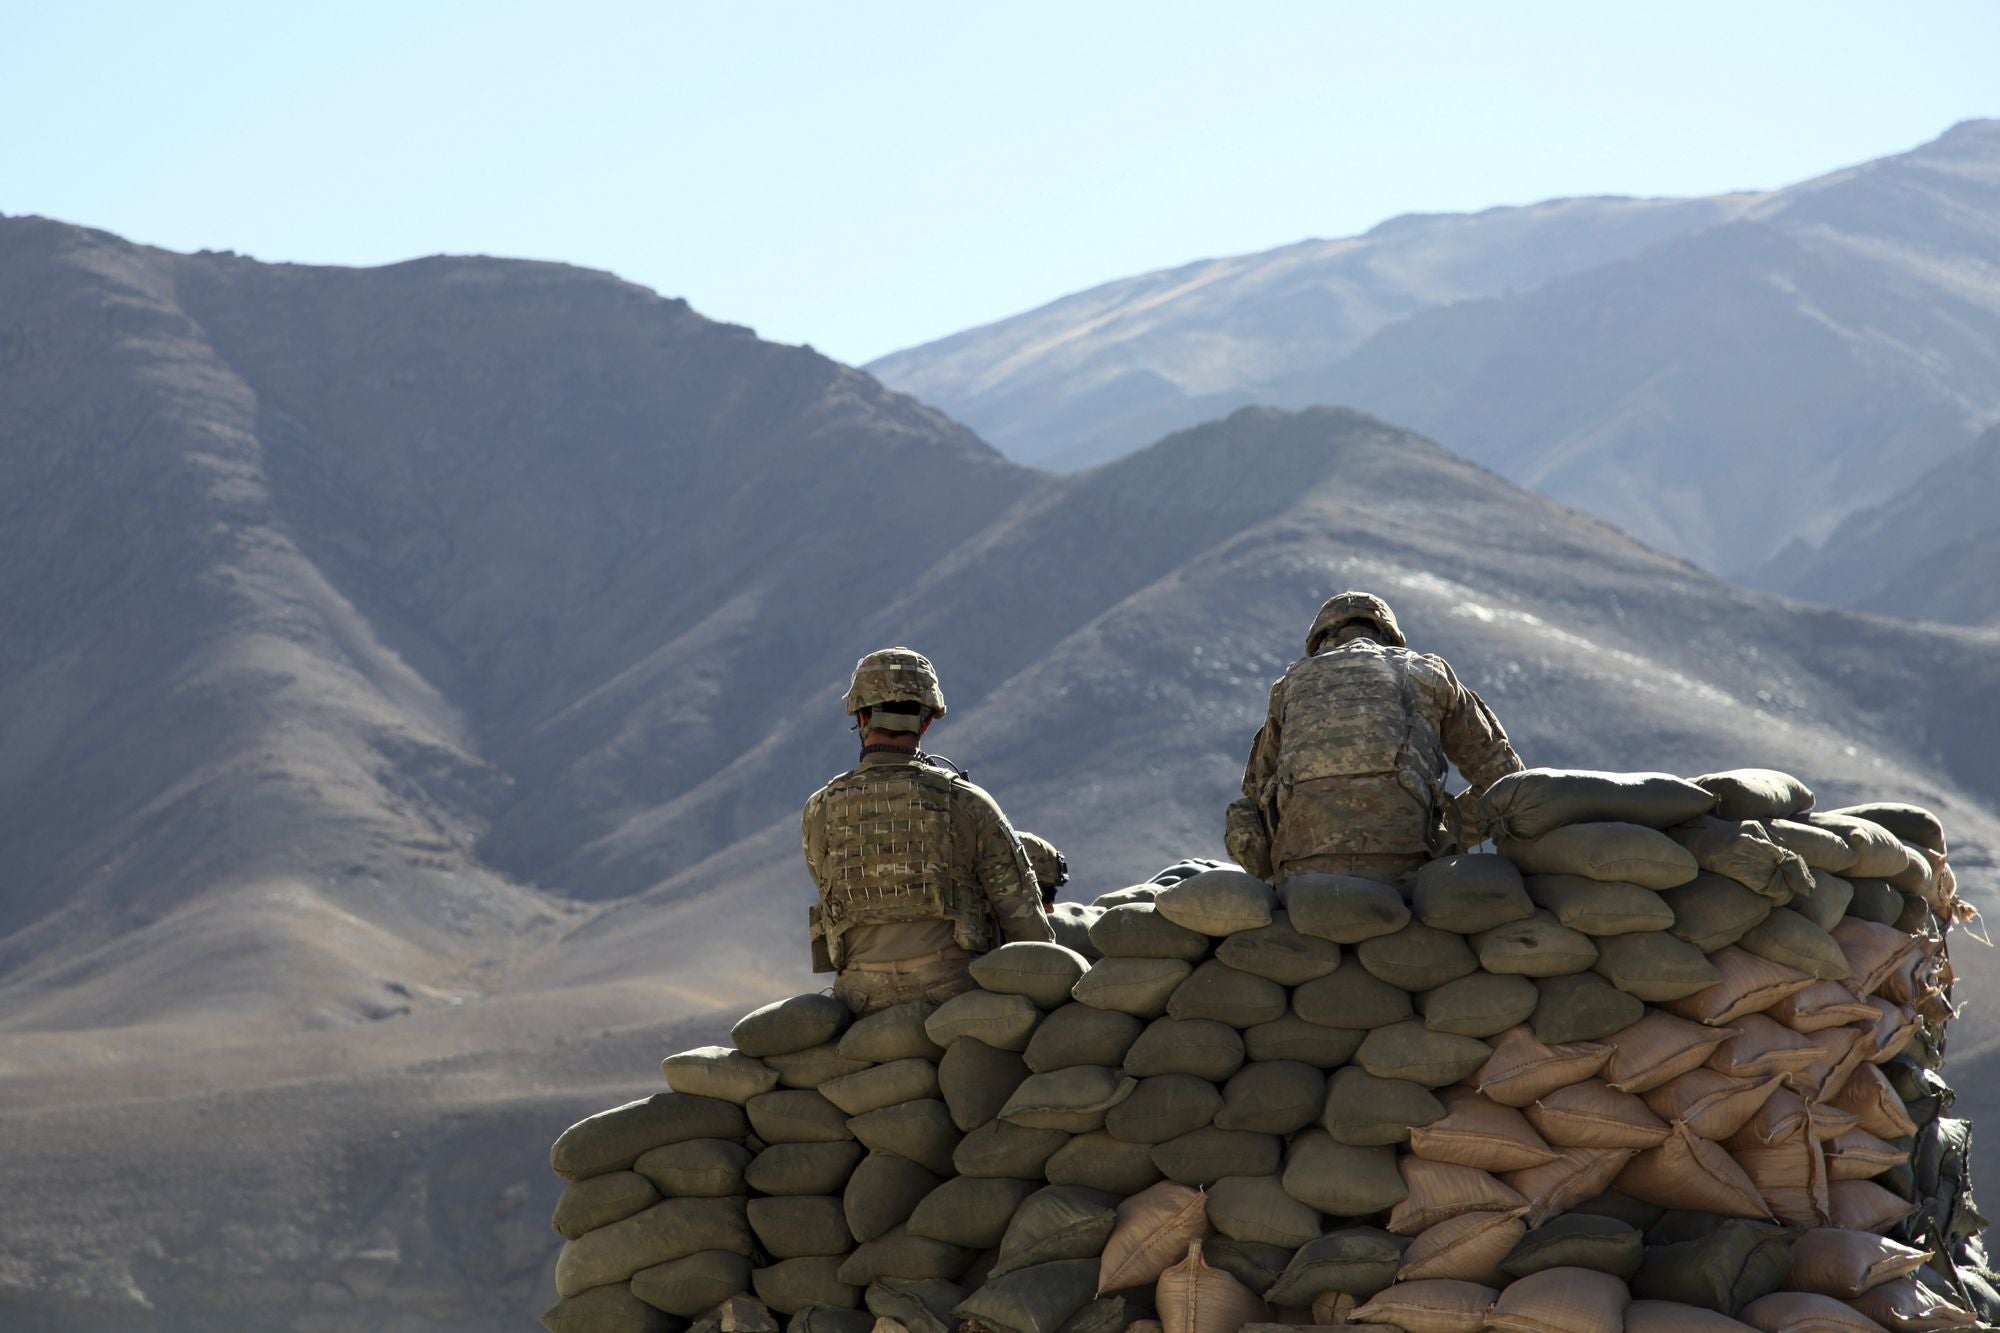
909	856
866	990
1051	866
895	675
1346	775
1349	607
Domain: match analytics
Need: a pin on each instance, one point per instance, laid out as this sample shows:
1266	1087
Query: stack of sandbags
1617	1075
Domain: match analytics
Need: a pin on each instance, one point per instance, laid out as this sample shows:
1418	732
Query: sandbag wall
1668	1061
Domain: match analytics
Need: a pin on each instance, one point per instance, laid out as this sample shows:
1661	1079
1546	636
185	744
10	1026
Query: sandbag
1041	971
1711	912
1842	1264
1466	1248
1673	1317
1801	1312
1539	946
1279	953
975	1081
696	1169
1481	1005
794	1285
1828	901
1623	852
1071	923
1755	793
721	1072
1359	1261
1873	953
1599	907
1004	1022
673	1229
1745	853
1255	1265
1479	1132
792	1024
1561	1300
1077	1034
1036	1299
902	1255
1163	1107
1466	894
1151	1234
1711	1104
921	1131
1003	1150
895	1033
1576	1176
1138	986
1137	930
1535	801
1911	823
878	1086
1592	1114
1748	985
1822	1005
1343	908
586	1205
1578	1240
1788	938
1654	967
1099	1162
613	1140
1272	1097
1820	849
688	1286
803	1168
884	1190
1365	1111
1434	1306
612	1309
1207	1155
969	1211
1056	1222
1657	1048
1417	957
1218	902
1202	1047
1861	1205
1879	853
1196	1298
1687	1171
1522	1068
1256	1210
919	1306
1074	1099
1736	1263
1412	1052
1340	1178
1581	1007
800	1228
813	1066
1293	1038
1218	991
1762	1047
1439	1191
1351	998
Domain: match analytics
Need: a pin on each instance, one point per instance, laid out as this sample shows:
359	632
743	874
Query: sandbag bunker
1667	1061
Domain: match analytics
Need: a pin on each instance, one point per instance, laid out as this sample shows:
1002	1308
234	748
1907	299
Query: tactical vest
891	856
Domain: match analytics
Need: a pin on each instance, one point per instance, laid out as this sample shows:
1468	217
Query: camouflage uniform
917	868
1050	865
1346	775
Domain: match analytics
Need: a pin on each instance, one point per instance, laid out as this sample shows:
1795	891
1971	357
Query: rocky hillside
1824	344
412	677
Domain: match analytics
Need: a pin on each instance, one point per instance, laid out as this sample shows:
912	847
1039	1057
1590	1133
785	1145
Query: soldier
917	869
1051	866
1346	776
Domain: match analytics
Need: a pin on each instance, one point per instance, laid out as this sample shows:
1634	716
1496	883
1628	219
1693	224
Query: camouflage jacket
1352	754
909	857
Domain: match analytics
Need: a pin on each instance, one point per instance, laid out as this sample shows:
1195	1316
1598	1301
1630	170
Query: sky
865	177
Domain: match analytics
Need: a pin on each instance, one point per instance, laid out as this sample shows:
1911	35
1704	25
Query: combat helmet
1051	866
1349	607
895	675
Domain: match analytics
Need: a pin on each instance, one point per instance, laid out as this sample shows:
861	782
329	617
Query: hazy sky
866	176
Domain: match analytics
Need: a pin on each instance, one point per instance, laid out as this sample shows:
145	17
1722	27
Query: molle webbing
889	840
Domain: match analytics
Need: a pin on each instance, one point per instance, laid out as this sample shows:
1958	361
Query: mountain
1825	343
413	676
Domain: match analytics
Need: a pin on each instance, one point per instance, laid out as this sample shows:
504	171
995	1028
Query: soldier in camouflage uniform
917	869
1051	866
1346	776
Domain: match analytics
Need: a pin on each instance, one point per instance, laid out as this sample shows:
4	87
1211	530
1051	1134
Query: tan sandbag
1592	1114
1859	1155
1575	1175
1906	1305
1824	1004
1536	946
1195	1298
1657	1048
1841	1263
1522	1069
1466	1248
1749	985
1873	951
1843	1051
1895	1027
1561	1300
1786	1116
1478	1132
1151	1234
1802	1312
1712	1105
1763	1046
1870	1096
1862	1205
1673	1317
1791	1177
1436	1305
1690	1173
1440	1191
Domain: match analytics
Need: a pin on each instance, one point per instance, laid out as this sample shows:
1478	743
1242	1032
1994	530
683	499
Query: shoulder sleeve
1000	864
812	834
1262	767
1473	737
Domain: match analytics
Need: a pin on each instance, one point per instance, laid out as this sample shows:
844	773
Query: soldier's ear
925	724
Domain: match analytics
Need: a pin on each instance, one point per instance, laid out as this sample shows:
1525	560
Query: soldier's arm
1246	830
1474	739
812	837
1007	880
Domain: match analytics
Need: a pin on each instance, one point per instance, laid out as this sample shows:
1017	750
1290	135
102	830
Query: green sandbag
1827	902
1581	1007
696	1169
1038	1299
1056	1222
1071	923
1623	1207
803	1168
1481	1005
1207	1155
1364	1111
1915	918
801	1228
1788	938
1131	893
1911	823
1343	908
1655	966
1218	991
1351	998
1600	907
1819	848
797	1115
686	1287
794	1285
1469	893
1139	986
970	1211
1137	930
1253	1264
722	1072
1257	1209
921	1307
1539	946
599	1201
1163	1107
1576	1240
878	1086
1360	1261
1004	1022
895	1033
667	1231
1074	1100
884	1190
612	1309
1747	854
613	1140
1342	1179
977	1080
1624	852
1199	1046
1272	1097
902	1255
1000	1150
1279	953
813	1066
1077	1034
1293	1038
788	1025
1755	793
1415	1054
1735	1264
1110	1314
1099	1162
1218	902
1712	912
1875	900
1535	801
1417	957
921	1131
1043	972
